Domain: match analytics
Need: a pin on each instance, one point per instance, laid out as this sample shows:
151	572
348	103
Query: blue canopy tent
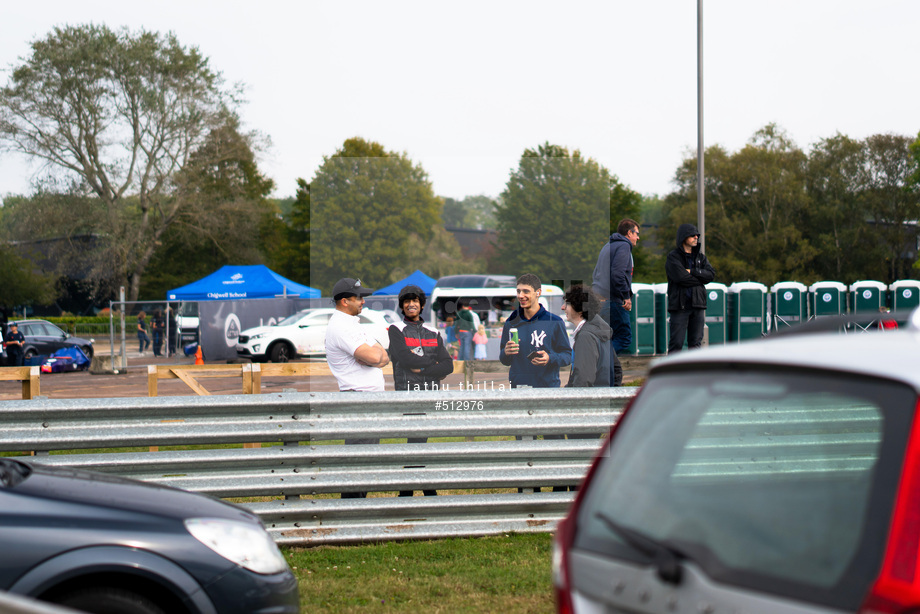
416	279
241	282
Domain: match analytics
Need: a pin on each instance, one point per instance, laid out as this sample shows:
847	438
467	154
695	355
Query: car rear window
774	480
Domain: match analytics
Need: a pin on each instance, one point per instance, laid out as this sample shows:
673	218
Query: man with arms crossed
688	272
354	356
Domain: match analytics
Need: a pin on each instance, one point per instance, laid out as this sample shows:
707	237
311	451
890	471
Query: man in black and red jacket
420	359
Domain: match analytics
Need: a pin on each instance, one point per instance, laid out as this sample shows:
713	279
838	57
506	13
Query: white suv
303	334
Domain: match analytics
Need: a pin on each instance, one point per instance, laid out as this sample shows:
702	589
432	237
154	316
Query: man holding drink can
534	342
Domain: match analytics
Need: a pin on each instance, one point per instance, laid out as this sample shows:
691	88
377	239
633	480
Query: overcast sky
464	88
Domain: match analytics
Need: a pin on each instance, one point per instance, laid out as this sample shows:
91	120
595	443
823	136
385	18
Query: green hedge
69	323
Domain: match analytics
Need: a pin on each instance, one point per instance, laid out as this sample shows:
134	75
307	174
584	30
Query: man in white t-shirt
353	355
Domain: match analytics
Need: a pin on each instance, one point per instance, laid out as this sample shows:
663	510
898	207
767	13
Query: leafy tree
293	258
554	215
456	215
56	232
836	177
627	203
442	256
476	212
755	206
915	179
648	256
892	199
366	203
21	284
122	114
227	215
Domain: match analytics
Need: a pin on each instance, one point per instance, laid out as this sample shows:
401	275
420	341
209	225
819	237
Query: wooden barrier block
29	376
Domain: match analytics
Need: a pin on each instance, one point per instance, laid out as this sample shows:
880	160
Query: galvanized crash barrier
311	465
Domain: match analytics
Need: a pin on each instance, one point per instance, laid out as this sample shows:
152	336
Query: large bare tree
122	114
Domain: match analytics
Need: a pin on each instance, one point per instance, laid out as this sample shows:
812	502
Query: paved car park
133	381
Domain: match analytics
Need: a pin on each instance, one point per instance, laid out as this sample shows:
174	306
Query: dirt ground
133	381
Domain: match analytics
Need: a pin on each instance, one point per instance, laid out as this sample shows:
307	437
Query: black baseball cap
349	287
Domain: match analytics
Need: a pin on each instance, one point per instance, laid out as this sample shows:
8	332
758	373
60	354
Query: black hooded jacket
416	346
687	290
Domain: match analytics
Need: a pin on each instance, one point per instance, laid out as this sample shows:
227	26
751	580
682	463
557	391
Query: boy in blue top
543	345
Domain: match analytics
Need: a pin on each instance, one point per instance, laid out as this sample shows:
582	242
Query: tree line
845	210
151	182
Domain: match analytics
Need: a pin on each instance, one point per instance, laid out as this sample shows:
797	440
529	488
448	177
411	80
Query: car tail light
562	590
897	588
565	530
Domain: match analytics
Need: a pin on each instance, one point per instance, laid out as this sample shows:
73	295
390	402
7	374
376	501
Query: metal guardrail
17	604
309	466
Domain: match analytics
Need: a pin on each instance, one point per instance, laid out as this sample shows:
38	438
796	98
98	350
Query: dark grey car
105	544
42	338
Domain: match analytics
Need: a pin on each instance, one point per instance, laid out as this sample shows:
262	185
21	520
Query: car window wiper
667	559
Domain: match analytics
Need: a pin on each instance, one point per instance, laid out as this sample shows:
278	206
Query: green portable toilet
827	298
747	310
662	319
717	313
642	320
867	296
789	304
905	296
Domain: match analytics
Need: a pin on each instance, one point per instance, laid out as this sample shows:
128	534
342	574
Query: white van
503	301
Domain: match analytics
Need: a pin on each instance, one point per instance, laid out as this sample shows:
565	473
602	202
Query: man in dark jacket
688	272
542	344
612	281
420	359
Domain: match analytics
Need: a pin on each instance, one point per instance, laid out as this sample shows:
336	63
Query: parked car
778	475
303	334
43	338
103	544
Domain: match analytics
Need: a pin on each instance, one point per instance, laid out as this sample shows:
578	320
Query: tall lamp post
700	191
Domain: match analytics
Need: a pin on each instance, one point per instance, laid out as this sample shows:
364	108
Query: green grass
508	574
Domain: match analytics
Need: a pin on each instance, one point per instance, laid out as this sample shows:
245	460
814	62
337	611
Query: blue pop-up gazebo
234	282
416	279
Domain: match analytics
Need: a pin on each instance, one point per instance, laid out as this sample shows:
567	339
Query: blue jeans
143	341
620	323
466	345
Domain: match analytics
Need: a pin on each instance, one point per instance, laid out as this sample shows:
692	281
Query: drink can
514	335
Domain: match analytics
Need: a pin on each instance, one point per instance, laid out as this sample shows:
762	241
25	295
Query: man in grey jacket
592	356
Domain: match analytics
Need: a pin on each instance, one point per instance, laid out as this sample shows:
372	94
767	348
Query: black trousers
351	442
686	324
409	493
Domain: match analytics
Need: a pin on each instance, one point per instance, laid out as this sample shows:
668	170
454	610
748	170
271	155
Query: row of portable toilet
747	310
